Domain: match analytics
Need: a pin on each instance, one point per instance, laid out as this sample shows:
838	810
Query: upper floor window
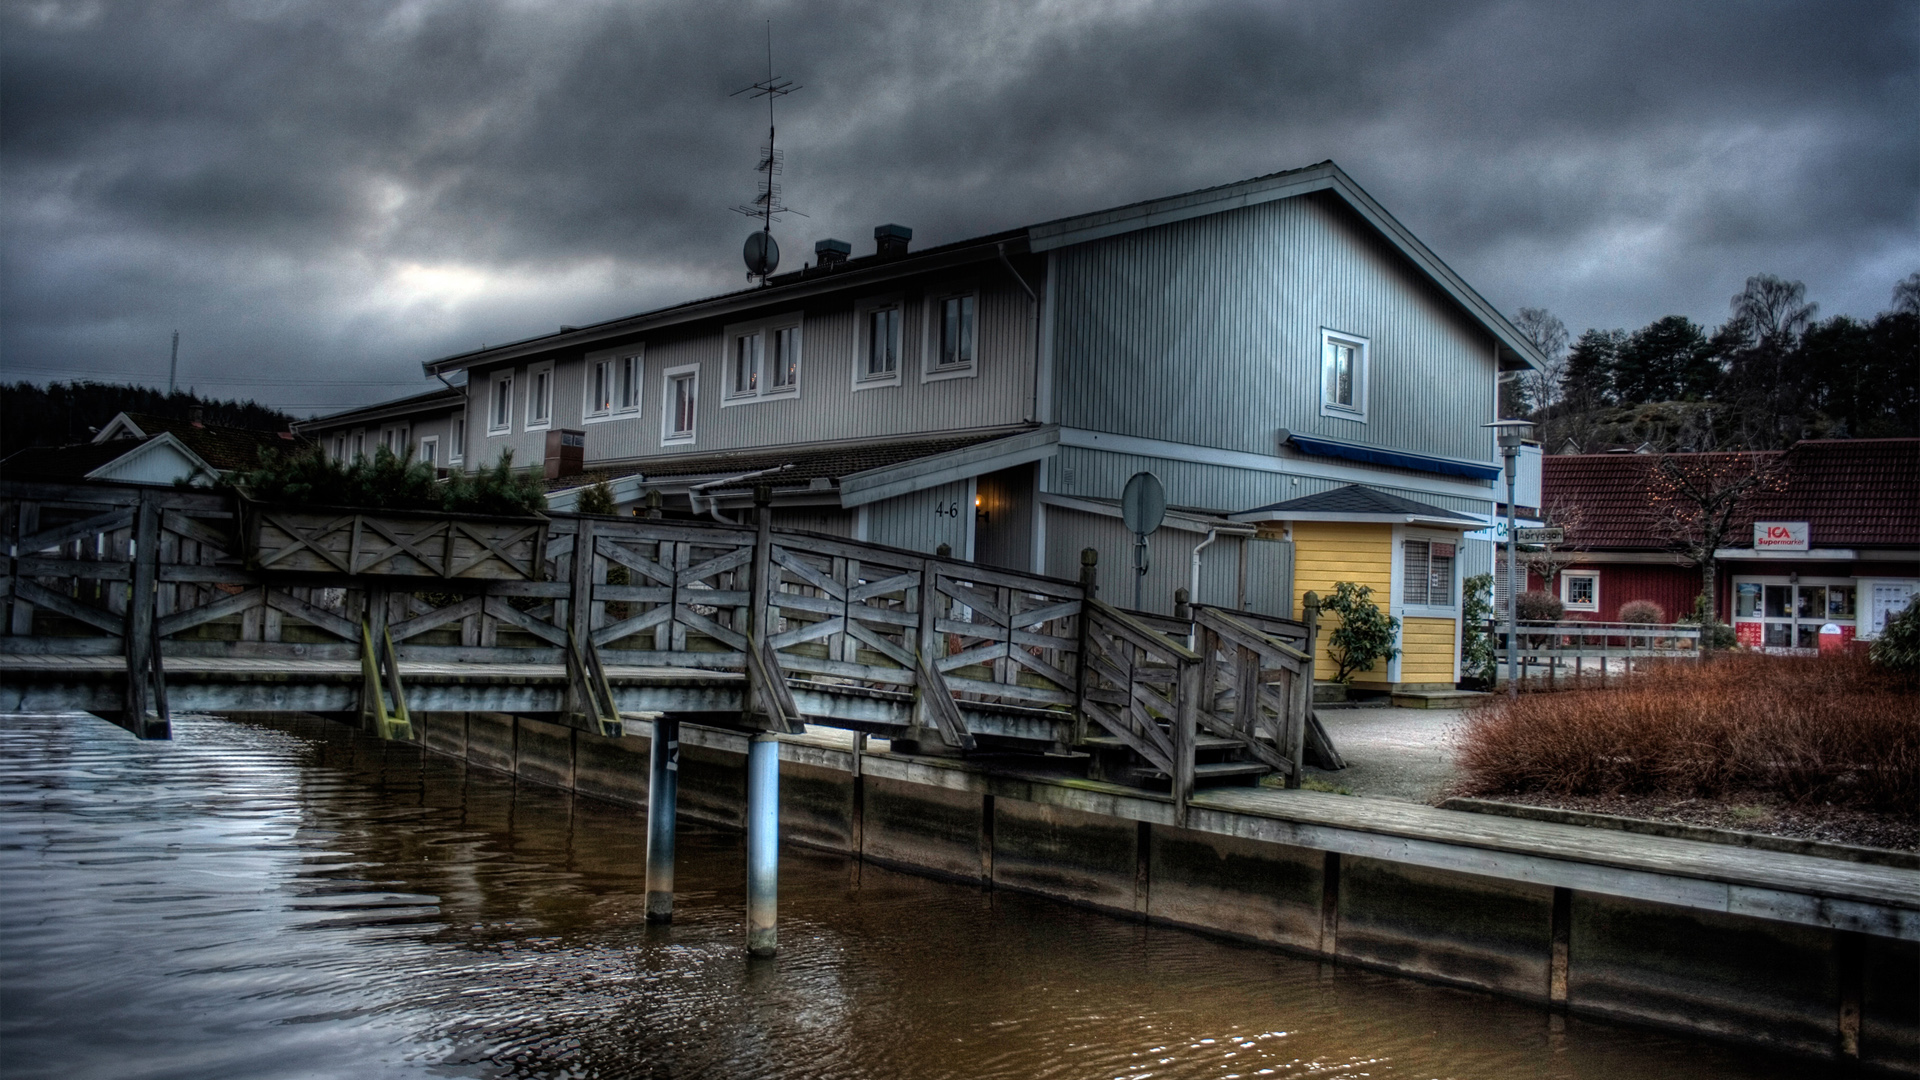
430	451
680	404
956	332
876	359
1427	573
500	409
1343	366
613	387
763	360
540	397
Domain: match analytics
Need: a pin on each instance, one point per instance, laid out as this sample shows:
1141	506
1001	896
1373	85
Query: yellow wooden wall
1328	551
1426	651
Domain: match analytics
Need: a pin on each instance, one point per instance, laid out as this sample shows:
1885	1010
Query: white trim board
873	485
1084	439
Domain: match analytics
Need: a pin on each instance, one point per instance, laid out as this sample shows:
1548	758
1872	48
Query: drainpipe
1193	582
713	502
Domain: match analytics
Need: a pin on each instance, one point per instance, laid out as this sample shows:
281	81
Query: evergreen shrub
1365	635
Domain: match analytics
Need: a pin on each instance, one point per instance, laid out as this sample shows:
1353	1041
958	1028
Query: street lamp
1511	433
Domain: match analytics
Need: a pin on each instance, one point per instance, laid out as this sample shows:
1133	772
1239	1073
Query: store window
1780	613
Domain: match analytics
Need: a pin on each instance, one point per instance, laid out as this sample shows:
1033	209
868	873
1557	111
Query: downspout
713	502
1193	582
1033	299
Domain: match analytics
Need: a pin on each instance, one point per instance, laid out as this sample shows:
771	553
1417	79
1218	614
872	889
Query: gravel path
1392	753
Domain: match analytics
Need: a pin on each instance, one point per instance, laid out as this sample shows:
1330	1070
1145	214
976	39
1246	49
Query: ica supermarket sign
1779	536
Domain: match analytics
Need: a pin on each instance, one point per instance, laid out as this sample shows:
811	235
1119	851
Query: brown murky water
292	900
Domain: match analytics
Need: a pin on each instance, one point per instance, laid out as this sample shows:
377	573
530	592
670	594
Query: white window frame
933	312
429	451
624	371
767	330
541	395
1566	589
396	439
340	446
359	443
1450	610
862	314
1363	348
500	404
456	446
668	436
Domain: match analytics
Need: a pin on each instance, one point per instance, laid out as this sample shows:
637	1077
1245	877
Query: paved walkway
1392	753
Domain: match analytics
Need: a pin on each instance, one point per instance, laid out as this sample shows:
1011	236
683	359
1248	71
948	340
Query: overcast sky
319	195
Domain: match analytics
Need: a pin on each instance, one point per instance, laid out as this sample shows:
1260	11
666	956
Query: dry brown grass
1813	729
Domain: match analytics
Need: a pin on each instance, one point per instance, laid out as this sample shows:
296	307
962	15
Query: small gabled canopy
1357	503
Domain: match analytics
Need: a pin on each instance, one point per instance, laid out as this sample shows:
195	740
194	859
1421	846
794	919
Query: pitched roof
435	400
808	463
1515	349
62	464
1851	492
224	448
1356	502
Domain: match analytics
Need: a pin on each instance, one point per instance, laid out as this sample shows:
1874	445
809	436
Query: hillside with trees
61	413
1772	374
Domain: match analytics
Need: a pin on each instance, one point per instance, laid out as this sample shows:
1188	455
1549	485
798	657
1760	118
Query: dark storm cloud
333	191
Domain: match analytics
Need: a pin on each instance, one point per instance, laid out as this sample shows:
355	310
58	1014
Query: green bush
308	477
1897	649
1714	634
1365	634
597	499
1477	660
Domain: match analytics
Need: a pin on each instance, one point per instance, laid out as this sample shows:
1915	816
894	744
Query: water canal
289	899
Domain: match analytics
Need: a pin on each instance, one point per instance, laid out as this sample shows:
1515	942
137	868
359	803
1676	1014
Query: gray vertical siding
911	522
1207	332
1270	577
827	406
1169	560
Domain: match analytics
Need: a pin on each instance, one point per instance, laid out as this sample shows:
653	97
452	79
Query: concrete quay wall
1820	990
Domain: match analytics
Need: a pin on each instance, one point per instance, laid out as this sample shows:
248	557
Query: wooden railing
146	572
1571	650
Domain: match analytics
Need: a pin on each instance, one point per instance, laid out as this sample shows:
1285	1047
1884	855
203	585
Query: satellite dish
1143	505
761	253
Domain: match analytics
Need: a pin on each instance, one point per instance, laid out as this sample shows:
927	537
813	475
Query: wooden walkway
130	602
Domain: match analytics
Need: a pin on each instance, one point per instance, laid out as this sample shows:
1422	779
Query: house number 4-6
950	510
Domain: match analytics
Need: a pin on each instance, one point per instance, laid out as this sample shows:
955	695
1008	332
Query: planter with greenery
391	517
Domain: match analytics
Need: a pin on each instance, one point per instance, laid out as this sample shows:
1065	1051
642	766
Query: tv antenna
761	253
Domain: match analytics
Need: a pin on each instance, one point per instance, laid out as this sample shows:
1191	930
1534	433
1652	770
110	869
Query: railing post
654	500
759	609
141	625
1190	681
1090	572
663	792
579	623
1302	696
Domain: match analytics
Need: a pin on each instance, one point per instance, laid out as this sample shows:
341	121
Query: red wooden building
1829	536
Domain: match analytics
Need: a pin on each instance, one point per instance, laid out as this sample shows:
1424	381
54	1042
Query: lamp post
1511	433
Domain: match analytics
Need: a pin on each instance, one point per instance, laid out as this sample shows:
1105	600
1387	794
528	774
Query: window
359	444
1427	573
681	404
500	414
613	388
340	447
762	360
1343	366
394	439
747	349
785	372
1580	590
430	451
877	349
540	397
456	450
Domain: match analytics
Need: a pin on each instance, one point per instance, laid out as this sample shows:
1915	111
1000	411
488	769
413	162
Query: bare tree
1699	499
1757	344
1549	335
1549	560
1906	294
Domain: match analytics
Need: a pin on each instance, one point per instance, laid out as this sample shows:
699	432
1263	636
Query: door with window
1782	614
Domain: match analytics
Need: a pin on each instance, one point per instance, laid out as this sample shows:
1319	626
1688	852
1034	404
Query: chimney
890	241
566	453
195	413
832	252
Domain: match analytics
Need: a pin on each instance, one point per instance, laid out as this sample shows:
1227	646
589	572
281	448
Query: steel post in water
663	792
763	844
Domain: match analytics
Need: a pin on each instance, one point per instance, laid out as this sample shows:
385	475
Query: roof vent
890	241
832	252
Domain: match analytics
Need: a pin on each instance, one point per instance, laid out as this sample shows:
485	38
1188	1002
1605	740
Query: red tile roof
1851	492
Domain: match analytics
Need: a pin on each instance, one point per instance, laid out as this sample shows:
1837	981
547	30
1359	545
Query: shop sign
1779	536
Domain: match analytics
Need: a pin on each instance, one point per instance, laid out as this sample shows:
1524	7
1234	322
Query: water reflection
287	899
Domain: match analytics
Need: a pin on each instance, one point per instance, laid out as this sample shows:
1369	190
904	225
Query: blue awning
1398	459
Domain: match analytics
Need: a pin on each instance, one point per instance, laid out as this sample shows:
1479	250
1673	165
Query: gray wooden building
1250	344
